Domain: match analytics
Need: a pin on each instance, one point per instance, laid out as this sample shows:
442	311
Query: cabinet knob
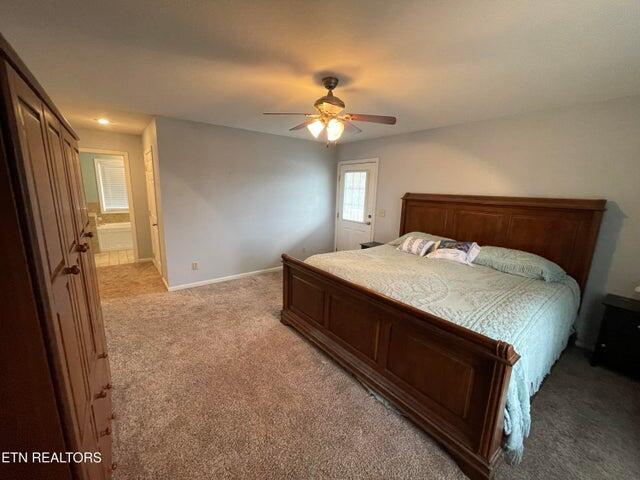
72	270
83	247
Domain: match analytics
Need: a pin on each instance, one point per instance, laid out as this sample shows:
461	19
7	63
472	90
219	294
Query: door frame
161	260
127	176
376	162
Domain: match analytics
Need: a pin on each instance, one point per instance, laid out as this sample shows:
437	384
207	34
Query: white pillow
462	252
416	246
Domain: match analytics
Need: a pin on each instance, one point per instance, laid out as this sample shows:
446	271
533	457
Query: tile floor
114	257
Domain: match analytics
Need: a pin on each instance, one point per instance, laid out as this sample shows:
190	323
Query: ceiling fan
330	117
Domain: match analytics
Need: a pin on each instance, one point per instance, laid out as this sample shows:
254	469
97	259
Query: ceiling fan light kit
329	117
316	127
334	130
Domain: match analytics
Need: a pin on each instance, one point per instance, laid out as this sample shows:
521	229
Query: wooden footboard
449	380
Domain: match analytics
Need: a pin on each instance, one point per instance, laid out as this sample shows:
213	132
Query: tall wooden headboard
561	230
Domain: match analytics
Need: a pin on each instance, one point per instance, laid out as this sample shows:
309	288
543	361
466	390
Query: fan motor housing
330	82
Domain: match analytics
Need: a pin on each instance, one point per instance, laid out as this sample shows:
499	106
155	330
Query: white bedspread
534	316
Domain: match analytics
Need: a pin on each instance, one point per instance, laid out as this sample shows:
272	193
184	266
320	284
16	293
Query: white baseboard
220	279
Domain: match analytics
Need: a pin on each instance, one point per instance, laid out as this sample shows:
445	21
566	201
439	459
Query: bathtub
115	236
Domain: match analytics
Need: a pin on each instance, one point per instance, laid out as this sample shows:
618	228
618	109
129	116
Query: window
353	196
112	184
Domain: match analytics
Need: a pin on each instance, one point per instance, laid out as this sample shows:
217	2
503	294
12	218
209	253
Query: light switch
382	212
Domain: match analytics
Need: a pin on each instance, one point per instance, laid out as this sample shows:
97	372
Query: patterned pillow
416	246
426	236
517	262
463	252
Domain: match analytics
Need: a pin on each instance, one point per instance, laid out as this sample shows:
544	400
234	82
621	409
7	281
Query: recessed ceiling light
104	121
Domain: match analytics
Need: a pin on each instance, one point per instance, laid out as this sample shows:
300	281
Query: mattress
534	316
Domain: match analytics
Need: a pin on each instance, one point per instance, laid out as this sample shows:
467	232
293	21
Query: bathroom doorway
107	189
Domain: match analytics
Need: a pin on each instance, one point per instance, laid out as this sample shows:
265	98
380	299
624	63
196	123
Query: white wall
587	151
235	200
132	144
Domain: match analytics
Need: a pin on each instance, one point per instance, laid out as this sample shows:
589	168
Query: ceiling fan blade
360	117
351	129
286	113
302	125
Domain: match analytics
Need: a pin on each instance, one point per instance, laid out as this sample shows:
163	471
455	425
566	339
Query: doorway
107	188
355	203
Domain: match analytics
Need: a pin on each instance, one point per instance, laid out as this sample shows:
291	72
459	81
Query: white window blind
112	184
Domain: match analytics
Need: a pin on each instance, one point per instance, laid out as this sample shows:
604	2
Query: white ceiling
430	63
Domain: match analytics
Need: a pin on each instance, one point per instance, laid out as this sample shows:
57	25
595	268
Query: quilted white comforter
534	316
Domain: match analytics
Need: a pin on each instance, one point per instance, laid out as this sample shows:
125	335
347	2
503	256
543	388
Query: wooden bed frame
449	380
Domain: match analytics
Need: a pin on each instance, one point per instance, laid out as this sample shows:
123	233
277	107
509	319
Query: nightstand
619	340
370	244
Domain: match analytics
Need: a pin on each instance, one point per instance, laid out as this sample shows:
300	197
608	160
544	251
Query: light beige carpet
208	384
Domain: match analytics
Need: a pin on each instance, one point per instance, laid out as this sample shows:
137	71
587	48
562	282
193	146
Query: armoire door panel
84	317
72	358
72	164
62	184
38	169
91	443
89	277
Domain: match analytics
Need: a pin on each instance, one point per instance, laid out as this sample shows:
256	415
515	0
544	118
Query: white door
153	209
356	203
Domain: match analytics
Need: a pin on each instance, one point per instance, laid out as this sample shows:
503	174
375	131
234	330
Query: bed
441	341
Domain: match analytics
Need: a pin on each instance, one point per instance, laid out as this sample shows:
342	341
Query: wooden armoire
55	387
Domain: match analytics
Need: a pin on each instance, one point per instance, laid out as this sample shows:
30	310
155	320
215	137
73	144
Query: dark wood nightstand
370	244
619	340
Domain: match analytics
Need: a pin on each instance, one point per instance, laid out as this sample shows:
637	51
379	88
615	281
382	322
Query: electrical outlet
194	265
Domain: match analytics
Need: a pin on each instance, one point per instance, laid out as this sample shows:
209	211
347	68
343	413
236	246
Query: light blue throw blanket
534	316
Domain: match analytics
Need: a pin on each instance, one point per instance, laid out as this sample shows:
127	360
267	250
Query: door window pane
353	196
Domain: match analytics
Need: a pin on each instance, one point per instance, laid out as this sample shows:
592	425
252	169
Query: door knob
367	223
72	270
